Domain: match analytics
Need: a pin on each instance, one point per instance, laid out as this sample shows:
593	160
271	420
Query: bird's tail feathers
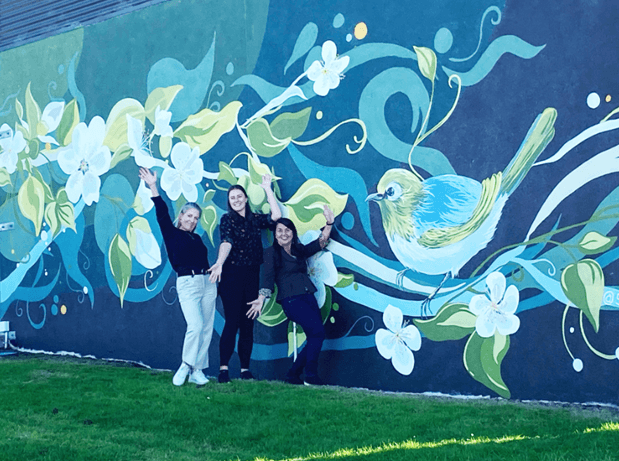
540	134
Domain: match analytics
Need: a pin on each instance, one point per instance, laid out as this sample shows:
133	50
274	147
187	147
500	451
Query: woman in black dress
238	271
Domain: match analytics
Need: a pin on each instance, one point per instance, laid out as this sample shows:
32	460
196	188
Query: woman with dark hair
285	264
197	295
238	271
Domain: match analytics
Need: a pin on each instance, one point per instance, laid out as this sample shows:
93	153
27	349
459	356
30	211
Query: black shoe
247	375
313	381
294	376
293	379
224	376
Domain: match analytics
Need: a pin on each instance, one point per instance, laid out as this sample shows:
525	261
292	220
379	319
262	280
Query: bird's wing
448	200
540	134
442	237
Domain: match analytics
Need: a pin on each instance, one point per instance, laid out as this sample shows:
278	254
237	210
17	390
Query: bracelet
329	224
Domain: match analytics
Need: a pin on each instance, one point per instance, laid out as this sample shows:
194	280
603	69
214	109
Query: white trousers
197	297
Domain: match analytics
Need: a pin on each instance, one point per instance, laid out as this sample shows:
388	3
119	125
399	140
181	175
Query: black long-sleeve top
291	278
186	250
244	236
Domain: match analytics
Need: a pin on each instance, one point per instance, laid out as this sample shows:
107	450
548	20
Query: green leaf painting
344	280
162	98
60	213
226	174
136	224
208	196
123	153
70	119
262	140
452	321
31	200
272	312
165	146
300	338
208	220
116	124
305	207
594	243
427	62
33	113
5	177
583	284
206	127
483	358
257	170
291	125
119	257
325	309
49	196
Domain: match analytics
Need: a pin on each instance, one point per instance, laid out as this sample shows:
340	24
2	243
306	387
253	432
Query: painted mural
468	149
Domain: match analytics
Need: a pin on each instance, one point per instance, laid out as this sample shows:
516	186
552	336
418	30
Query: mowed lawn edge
79	409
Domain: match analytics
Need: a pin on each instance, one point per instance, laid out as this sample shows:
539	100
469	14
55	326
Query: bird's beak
375	197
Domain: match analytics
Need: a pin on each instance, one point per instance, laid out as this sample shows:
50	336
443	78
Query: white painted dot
85	290
43	235
578	365
617	353
348	37
593	100
17	265
571	329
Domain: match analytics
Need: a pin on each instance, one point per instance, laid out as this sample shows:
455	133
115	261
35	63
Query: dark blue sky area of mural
493	116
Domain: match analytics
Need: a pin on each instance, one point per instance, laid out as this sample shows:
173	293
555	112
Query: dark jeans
239	285
304	311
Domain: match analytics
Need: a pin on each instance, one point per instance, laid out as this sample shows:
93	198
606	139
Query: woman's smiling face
283	235
237	200
188	220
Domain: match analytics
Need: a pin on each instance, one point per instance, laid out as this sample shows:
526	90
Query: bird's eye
393	191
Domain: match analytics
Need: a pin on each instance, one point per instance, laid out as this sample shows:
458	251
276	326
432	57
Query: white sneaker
181	374
197	377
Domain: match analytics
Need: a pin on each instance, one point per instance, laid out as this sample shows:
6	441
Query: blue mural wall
469	150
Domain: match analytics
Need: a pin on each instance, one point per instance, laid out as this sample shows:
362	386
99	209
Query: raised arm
150	179
276	213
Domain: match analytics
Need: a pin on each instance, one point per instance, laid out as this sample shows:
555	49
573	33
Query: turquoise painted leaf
168	72
305	42
115	200
18	246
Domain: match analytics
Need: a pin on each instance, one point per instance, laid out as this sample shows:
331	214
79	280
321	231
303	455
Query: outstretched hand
256	308
215	273
329	216
148	176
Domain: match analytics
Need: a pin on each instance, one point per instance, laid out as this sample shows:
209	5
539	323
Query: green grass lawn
58	409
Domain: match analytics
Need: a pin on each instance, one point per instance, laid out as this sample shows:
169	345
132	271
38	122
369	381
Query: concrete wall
468	146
